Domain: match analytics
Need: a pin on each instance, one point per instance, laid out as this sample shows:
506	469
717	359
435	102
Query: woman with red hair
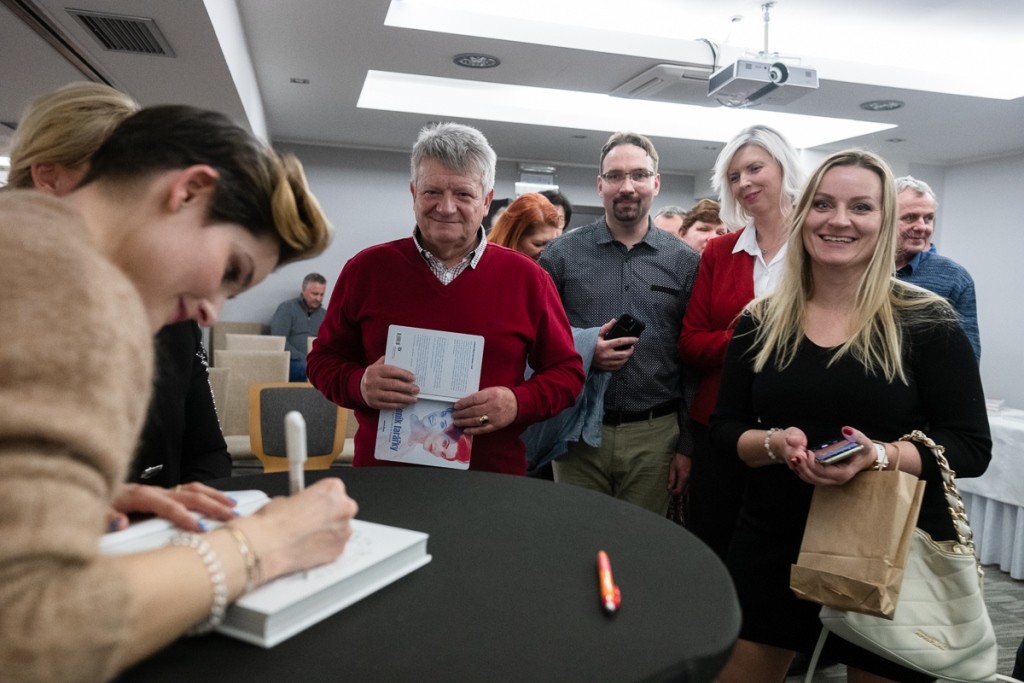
527	225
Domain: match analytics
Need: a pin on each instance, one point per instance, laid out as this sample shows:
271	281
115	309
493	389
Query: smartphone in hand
835	451
625	326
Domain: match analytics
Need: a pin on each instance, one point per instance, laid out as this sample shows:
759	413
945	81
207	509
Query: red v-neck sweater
507	298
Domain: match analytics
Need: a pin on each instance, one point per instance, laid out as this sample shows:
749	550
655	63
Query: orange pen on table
611	597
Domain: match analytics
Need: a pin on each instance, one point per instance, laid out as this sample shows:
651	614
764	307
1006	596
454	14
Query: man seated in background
299	319
918	263
447	277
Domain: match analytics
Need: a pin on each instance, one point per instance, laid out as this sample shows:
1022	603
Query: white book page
446	364
368	544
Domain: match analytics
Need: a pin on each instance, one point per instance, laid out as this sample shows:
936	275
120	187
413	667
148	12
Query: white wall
365	194
981	230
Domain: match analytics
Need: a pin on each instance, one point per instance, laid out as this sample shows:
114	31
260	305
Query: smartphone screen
835	451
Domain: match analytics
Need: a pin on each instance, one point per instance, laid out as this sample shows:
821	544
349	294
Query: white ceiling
334	43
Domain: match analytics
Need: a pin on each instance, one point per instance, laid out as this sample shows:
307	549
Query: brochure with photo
447	368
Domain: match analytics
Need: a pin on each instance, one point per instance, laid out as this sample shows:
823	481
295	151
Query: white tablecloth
995	501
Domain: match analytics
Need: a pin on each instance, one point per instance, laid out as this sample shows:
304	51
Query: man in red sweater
446	276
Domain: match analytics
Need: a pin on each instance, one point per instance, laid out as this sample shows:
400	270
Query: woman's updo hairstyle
259	189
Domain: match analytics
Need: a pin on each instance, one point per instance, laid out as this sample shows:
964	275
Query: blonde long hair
884	308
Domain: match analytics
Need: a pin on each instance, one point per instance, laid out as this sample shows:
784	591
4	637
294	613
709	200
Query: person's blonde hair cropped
522	216
884	307
259	189
66	127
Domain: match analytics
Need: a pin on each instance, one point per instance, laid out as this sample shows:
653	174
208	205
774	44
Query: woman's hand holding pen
301	531
174	504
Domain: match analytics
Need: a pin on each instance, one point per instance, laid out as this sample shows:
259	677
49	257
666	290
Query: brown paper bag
856	542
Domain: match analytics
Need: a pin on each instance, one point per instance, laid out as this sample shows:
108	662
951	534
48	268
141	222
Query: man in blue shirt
299	319
918	263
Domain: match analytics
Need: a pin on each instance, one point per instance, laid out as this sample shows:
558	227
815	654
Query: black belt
618	417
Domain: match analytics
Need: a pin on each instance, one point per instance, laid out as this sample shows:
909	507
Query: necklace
765	250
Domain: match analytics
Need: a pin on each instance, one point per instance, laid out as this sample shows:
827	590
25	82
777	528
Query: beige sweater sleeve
75	368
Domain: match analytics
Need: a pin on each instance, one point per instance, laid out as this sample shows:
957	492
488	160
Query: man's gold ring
484	419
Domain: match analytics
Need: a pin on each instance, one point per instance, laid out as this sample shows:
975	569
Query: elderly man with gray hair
447	277
918	263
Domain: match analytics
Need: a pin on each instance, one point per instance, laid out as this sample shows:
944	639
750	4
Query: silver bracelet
217	579
768	444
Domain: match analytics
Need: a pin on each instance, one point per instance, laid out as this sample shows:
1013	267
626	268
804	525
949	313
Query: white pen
150	471
295	443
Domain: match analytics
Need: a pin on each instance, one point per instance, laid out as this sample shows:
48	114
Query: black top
510	595
944	399
181	431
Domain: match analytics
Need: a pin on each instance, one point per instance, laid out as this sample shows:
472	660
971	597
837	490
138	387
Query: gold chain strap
957	513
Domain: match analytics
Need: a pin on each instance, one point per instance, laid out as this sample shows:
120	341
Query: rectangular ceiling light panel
460	99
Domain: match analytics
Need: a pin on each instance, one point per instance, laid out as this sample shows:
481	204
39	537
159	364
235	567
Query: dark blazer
182	436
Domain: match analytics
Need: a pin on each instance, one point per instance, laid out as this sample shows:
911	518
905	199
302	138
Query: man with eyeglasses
918	263
623	264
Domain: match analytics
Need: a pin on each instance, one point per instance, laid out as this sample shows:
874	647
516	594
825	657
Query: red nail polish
847	431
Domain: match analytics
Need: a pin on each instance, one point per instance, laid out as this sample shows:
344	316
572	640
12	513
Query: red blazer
725	284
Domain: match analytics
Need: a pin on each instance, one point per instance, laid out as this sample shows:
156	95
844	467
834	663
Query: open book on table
447	368
375	556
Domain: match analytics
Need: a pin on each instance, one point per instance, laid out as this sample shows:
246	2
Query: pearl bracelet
217	579
768	444
252	561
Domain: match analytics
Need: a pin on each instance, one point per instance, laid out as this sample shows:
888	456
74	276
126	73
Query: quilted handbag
941	626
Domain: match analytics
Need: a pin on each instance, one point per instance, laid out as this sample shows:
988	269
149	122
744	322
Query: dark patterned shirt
599	279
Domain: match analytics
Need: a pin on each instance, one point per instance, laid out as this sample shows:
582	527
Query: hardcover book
375	556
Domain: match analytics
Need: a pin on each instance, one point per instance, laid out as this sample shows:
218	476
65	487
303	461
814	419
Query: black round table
510	595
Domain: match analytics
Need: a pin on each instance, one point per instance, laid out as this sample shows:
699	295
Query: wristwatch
881	457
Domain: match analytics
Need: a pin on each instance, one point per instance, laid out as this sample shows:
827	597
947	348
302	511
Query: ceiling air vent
668	83
122	33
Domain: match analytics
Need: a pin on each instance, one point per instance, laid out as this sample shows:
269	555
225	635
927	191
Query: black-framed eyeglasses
638	176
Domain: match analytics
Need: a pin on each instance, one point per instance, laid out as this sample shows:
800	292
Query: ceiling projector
750	81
